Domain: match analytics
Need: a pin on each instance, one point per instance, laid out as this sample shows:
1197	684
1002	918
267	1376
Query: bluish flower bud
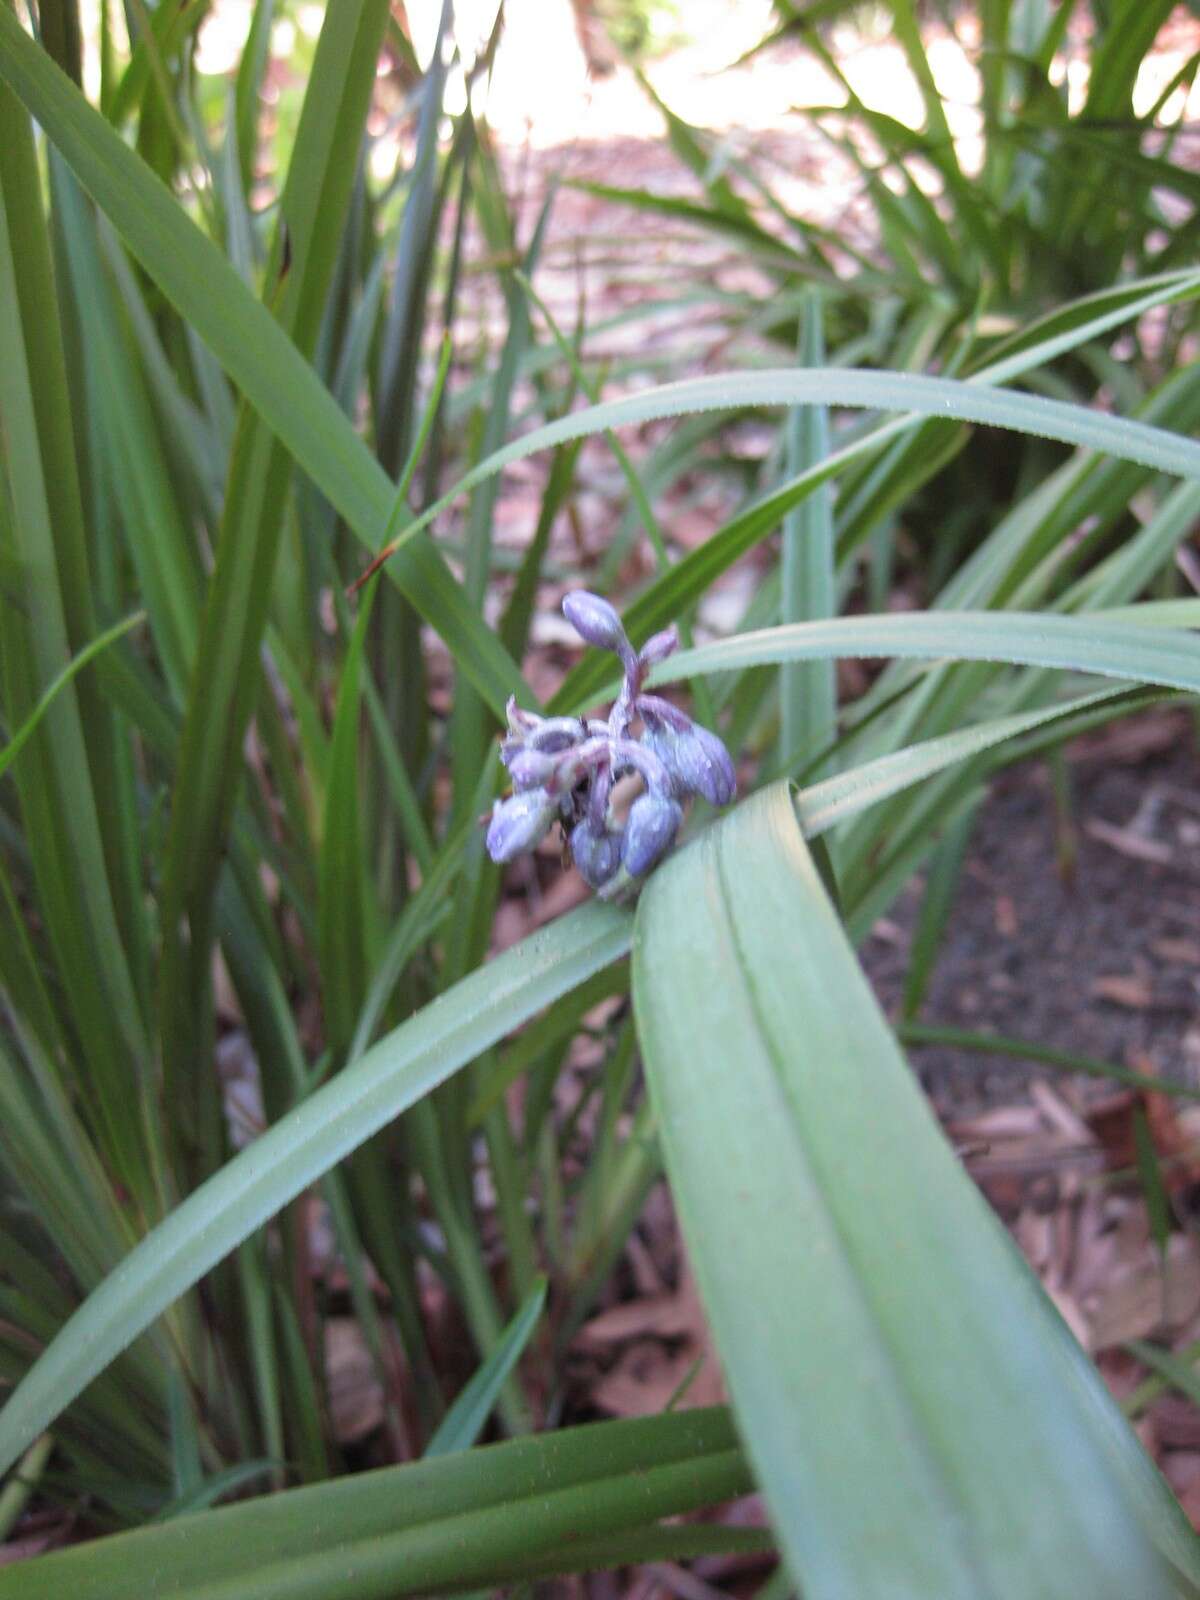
704	765
596	852
661	742
659	647
519	823
595	621
530	769
649	833
659	713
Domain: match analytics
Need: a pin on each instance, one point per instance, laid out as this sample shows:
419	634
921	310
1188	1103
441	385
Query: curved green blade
920	1420
961	400
249	343
10	751
1089	643
562	1502
822	805
463	1423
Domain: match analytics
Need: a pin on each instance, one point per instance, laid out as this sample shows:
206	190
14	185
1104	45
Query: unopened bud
519	823
704	765
649	833
595	621
657	712
596	852
659	647
661	742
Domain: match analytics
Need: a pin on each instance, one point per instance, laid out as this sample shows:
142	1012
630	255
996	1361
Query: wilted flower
531	769
564	769
519	823
555	733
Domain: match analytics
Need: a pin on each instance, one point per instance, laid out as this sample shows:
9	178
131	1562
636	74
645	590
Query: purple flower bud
659	647
704	765
596	852
530	769
519	823
595	621
598	797
649	833
657	712
661	742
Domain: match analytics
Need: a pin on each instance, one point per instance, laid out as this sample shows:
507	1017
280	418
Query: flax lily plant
229	816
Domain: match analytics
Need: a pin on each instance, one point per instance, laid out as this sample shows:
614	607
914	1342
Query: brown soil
1102	961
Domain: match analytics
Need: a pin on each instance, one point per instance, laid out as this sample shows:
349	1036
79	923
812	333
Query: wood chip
1058	1114
1134	992
1179	952
1129	843
889	932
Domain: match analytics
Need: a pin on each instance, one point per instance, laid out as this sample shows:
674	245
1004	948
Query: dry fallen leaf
1138	1301
664	1335
355	1393
664	1316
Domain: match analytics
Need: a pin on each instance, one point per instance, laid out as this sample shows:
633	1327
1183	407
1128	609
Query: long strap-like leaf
919	1419
526	1508
1095	643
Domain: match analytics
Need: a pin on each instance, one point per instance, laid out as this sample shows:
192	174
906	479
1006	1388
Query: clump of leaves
564	769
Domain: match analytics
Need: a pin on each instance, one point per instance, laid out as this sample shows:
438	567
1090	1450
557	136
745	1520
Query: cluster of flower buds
563	769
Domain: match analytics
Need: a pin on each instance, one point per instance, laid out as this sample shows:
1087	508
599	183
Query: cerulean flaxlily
563	769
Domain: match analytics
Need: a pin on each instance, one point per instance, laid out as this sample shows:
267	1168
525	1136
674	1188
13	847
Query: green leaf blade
915	1428
808	690
1112	648
251	346
529	1507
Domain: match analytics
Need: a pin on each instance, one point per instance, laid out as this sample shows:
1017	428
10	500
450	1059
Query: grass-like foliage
240	800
